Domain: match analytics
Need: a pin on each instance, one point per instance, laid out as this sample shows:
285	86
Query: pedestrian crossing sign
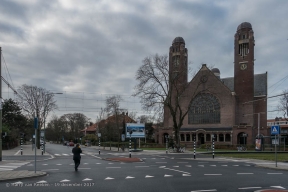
275	130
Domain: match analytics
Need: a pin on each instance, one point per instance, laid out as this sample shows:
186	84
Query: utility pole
0	105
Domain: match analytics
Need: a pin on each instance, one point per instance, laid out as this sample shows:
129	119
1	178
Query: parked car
71	144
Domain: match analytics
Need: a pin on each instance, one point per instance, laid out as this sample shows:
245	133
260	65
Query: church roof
178	40
244	25
260	84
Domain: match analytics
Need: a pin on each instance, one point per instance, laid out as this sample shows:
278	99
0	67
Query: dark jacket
76	153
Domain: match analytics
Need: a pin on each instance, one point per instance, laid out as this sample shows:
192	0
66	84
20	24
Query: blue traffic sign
275	130
35	123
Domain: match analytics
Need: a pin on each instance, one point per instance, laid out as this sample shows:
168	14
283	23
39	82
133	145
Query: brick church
233	110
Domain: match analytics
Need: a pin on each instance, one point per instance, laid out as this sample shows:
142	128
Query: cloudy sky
90	49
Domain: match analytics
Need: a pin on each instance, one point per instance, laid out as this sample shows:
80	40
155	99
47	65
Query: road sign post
35	127
275	130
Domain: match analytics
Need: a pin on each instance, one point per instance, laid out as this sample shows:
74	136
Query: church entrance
242	138
201	138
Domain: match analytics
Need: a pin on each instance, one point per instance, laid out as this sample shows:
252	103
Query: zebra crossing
70	154
11	166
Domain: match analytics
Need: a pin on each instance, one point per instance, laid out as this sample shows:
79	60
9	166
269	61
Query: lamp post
44	138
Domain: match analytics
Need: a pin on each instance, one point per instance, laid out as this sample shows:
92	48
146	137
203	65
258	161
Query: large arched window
205	108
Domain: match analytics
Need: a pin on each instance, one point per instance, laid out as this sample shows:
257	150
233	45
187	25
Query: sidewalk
6	166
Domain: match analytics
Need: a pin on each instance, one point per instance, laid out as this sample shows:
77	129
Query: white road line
279	187
4	166
160	162
5	169
50	170
188	165
113	167
213	165
44	164
65	154
182	162
205	190
128	177
274	173
177	170
176	166
65	180
168	175
108	178
17	152
236	165
58	164
98	163
57	154
245	173
202	162
87	179
141	166
212	174
148	176
201	165
250	188
85	163
224	165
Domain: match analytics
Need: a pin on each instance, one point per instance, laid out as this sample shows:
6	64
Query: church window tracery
205	109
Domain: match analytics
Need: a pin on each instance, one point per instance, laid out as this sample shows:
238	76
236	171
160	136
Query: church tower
178	57
244	73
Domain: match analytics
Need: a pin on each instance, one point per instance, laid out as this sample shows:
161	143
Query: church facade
233	110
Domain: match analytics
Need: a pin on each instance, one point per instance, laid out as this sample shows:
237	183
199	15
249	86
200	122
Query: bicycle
175	149
241	148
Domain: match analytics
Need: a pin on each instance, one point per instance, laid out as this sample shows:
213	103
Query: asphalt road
157	172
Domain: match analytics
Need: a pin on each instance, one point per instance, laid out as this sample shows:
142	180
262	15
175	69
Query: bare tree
112	108
36	102
158	89
283	104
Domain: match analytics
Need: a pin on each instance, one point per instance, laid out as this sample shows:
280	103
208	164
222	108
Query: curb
38	174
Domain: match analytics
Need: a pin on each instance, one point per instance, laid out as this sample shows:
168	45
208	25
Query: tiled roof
260	84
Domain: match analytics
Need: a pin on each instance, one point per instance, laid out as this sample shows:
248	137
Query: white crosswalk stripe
11	166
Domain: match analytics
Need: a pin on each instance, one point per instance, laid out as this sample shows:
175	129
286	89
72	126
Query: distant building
224	107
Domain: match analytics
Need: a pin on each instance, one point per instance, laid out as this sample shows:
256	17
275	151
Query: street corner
124	159
18	175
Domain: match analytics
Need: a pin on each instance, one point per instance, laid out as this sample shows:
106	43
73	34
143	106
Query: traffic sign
275	130
35	123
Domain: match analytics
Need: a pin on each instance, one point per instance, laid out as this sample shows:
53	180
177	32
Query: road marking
44	164
177	171
213	165
162	158
224	165
205	190
148	176
87	179
85	163
247	165
160	162
110	163
250	188
212	174
5	169
202	162
176	166
245	173
279	187
200	165
108	178
142	166
65	154
98	163
182	162
186	175
42	181
128	177
65	180
58	164
188	165
57	154
168	175
50	170
17	152
113	167
236	165
274	173
5	166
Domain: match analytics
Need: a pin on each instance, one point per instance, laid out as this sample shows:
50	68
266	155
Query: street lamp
44	139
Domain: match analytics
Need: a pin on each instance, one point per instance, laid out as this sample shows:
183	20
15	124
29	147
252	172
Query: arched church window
176	60
205	109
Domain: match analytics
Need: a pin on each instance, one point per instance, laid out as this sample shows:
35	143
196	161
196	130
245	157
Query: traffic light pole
0	105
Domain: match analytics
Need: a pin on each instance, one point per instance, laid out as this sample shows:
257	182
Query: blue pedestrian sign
275	130
35	123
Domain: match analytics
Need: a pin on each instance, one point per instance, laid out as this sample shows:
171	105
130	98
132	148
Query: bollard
194	149
213	146
42	147
166	144
130	147
21	143
99	145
